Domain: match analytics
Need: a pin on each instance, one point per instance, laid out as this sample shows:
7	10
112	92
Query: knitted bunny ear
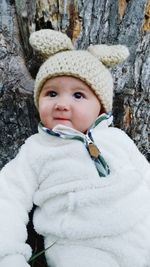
48	42
109	55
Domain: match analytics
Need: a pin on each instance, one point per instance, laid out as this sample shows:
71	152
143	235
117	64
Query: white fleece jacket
74	204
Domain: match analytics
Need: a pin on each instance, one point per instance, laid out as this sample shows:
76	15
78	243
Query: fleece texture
78	210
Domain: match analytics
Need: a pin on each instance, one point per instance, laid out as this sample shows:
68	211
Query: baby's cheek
84	124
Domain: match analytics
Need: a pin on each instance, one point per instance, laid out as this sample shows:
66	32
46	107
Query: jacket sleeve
17	186
138	159
14	261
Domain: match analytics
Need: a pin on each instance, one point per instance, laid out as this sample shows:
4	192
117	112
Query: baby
89	182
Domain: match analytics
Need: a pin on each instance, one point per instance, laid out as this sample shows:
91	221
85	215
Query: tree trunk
98	21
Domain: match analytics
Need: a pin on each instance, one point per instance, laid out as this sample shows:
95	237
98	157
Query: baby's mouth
61	119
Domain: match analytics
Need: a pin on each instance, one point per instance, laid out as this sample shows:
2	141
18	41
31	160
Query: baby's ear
109	55
48	42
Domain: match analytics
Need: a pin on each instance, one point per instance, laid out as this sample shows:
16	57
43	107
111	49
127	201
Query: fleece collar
87	139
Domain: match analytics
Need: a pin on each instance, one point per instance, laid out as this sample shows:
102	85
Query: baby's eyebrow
78	88
47	87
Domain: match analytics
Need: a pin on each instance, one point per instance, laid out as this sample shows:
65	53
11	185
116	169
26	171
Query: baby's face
69	101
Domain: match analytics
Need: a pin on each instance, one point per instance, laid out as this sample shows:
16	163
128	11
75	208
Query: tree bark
99	21
17	114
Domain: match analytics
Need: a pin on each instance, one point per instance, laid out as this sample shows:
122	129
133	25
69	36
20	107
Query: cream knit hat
61	58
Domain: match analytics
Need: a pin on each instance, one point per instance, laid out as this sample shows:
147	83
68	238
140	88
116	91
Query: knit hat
61	58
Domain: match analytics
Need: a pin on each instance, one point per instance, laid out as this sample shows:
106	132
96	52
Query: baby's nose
62	106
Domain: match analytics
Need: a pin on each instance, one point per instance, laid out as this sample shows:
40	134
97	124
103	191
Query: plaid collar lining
64	132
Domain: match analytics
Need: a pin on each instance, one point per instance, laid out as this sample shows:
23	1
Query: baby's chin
62	122
67	123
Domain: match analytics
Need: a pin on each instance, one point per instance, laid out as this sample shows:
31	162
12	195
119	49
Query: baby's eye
78	95
52	93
